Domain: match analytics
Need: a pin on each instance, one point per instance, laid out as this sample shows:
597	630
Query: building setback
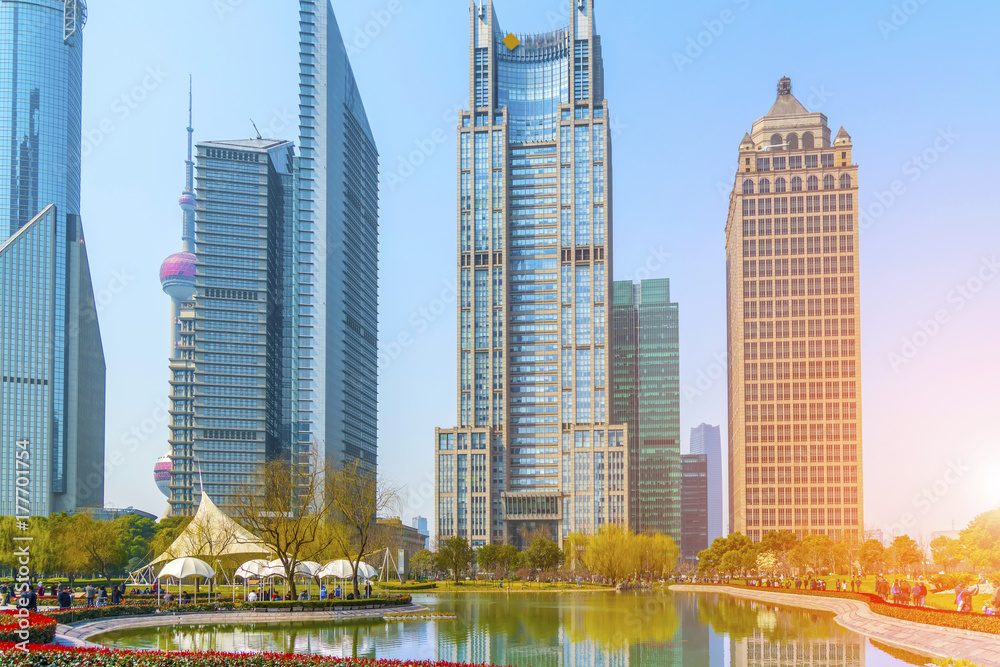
52	370
646	397
795	448
535	451
232	391
707	440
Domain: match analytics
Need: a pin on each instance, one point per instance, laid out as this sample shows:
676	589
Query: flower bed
940	617
41	629
51	656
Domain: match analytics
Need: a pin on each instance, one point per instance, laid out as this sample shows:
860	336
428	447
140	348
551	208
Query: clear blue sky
899	92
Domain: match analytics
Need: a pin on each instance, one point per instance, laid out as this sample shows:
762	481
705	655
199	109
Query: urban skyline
706	365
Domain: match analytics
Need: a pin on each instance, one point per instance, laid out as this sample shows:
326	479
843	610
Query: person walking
90	593
102	597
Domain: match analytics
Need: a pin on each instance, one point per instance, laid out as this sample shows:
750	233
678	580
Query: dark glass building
694	505
52	361
646	397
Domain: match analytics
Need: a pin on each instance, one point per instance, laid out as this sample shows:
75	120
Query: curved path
80	634
978	647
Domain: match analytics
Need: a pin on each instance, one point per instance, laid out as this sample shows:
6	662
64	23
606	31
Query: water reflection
552	630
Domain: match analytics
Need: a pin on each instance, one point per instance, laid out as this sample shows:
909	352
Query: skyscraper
794	332
232	386
535	451
337	209
646	397
706	440
52	361
694	505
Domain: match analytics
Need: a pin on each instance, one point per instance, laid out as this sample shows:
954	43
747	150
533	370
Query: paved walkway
930	640
80	634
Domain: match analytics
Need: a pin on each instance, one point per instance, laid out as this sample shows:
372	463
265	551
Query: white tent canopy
212	534
251	569
185	568
344	569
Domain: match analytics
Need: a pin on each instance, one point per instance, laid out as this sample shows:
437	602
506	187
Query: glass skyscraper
337	208
233	375
706	440
53	370
535	451
646	397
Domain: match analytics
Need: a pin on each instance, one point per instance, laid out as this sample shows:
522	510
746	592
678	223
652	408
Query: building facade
707	440
646	396
694	505
337	207
52	385
534	267
795	447
233	373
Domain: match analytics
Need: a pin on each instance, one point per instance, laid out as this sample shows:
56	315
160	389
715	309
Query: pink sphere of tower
177	275
161	473
188	202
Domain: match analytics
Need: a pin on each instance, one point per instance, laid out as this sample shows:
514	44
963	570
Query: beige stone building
794	330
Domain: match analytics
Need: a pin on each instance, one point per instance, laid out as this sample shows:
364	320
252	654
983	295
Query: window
812	162
779	184
812	184
793	142
808	140
828	159
775	139
829	182
845	182
748	187
778	163
765	186
795	162
796	184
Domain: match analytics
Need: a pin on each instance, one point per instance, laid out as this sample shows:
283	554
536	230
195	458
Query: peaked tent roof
213	534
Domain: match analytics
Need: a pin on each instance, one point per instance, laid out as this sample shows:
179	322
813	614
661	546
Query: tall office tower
233	389
52	372
534	452
694	505
706	440
646	390
338	212
794	332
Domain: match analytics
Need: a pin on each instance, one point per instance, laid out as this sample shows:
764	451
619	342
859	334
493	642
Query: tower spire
188	201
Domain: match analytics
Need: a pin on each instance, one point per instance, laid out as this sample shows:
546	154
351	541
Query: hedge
54	656
941	617
410	587
41	629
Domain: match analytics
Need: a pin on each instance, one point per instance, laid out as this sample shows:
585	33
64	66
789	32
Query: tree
488	557
781	544
101	544
575	544
422	562
137	534
508	560
947	552
609	553
656	555
982	542
357	497
767	563
903	553
455	555
290	512
710	559
872	556
544	555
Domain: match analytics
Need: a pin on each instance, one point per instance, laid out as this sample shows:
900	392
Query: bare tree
291	513
357	497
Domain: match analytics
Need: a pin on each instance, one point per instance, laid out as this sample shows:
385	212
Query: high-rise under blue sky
913	82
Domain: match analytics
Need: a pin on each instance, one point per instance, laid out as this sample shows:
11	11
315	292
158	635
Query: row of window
763	186
813	516
800	454
806	433
800	391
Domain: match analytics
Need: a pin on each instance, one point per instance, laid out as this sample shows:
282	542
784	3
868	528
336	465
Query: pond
556	630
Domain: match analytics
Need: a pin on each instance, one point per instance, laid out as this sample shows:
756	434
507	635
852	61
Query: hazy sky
914	82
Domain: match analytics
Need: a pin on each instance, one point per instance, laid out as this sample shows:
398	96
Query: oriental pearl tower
177	277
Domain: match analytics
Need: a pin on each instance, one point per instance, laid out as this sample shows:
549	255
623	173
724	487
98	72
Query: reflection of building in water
840	650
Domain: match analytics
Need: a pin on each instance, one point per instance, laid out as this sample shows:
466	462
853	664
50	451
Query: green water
555	630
